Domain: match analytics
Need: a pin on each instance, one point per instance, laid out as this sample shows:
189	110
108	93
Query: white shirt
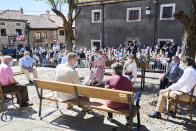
186	82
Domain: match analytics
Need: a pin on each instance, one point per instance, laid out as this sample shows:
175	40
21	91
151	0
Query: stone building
113	22
43	32
12	29
58	21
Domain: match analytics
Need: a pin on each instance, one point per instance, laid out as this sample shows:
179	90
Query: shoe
109	119
26	104
155	115
171	113
30	82
127	123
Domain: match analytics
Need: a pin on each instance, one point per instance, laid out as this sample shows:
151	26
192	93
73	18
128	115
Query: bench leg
138	119
40	104
131	124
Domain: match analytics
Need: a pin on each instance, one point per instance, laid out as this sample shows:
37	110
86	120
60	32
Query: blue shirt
26	62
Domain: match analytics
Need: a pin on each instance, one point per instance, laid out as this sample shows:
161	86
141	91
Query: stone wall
11	27
117	31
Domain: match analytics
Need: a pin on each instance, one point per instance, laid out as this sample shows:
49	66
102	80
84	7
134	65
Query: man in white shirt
184	85
67	73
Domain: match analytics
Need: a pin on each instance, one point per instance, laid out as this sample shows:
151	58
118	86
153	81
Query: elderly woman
117	82
130	68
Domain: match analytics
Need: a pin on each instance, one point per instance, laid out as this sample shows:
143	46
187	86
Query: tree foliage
68	19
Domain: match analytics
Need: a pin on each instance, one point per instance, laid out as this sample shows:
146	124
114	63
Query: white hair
6	58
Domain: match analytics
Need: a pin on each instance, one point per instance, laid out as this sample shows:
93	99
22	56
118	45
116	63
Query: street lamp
148	10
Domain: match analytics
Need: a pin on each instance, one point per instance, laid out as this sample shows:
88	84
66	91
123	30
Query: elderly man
67	73
181	89
173	74
6	78
26	64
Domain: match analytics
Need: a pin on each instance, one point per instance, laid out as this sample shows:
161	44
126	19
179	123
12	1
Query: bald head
26	53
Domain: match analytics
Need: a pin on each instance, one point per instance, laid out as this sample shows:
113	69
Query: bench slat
98	104
88	91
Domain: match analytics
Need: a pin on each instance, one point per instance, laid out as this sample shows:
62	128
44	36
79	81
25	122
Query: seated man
184	85
173	74
67	73
27	64
117	82
6	78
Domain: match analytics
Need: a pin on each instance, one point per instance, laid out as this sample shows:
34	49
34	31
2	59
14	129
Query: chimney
21	10
48	14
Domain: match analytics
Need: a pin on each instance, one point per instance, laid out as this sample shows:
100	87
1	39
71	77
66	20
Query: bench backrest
88	91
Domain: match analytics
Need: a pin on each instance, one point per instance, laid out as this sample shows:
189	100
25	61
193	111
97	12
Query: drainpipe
102	27
155	20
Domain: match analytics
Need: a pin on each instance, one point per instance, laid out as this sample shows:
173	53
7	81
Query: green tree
68	19
189	36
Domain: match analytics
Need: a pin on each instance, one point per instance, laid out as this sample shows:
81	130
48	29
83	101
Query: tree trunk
189	43
68	36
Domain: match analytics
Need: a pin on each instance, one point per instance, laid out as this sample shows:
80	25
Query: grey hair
26	52
72	56
6	58
118	68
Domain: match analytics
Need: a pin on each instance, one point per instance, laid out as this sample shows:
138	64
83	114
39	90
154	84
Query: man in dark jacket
173	74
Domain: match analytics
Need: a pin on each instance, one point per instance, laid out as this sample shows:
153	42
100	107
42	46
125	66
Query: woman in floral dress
98	70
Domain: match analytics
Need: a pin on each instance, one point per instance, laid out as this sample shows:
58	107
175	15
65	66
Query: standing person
97	73
67	73
117	82
64	58
26	64
130	68
180	89
7	78
173	74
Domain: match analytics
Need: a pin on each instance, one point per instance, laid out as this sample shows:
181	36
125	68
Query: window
133	14
18	31
37	35
3	32
61	32
44	34
96	16
96	44
17	24
167	11
2	23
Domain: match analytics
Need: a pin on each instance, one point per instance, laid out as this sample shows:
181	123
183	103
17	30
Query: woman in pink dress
98	70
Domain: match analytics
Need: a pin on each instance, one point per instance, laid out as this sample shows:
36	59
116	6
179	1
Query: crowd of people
122	61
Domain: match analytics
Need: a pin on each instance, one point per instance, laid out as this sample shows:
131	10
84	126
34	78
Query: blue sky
30	7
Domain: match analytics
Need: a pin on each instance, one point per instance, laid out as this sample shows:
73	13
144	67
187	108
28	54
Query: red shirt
118	82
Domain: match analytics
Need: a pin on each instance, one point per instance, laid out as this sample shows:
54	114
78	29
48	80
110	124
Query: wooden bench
96	95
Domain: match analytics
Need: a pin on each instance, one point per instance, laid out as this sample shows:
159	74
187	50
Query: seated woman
130	68
117	82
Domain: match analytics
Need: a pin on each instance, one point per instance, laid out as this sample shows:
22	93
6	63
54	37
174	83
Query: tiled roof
57	20
40	22
11	15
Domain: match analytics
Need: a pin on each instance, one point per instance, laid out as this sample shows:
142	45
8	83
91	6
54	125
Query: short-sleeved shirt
26	62
6	73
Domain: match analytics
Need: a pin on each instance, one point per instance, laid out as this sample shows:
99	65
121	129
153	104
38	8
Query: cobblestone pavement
26	119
